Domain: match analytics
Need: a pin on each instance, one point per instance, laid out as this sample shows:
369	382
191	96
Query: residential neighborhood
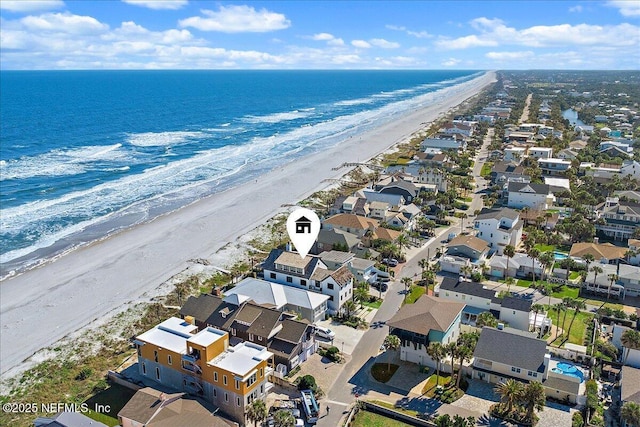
488	270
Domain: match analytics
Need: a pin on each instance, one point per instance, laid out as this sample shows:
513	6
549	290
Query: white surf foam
155	139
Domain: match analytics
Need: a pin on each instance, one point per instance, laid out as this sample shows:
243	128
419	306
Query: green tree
391	342
444	421
283	418
257	411
630	414
533	398
596	270
509	252
612	279
510	393
361	294
437	352
406	281
307	382
536	308
486	319
630	340
559	307
577	420
533	254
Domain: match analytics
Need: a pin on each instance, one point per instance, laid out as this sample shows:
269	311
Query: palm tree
391	342
510	393
547	259
283	418
451	350
349	307
559	307
257	411
547	216
567	302
466	270
437	352
534	254
537	308
402	242
509	281
630	414
406	281
628	254
612	278
465	353
630	340
486	319
509	252
361	294
423	263
596	270
533	397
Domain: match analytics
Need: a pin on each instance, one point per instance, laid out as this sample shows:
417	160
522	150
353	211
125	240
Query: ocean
84	154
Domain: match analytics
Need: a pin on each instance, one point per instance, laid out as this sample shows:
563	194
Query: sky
198	34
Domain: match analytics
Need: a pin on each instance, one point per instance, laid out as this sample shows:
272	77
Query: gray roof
561	384
513	303
402	184
309	267
511	347
331	237
67	419
497	214
338	257
528	187
374	196
200	307
468	288
277	295
629	391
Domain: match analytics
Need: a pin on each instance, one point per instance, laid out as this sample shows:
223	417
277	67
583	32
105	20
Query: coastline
47	303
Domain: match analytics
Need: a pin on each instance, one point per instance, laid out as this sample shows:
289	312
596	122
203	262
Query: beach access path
82	288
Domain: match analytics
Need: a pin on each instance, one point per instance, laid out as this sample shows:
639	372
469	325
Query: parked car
325	333
391	262
381	286
451	236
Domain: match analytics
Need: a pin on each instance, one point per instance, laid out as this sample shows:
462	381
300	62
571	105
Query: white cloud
385	44
494	32
329	38
158	4
30	5
237	19
509	56
418	34
451	62
575	9
626	7
63	23
361	44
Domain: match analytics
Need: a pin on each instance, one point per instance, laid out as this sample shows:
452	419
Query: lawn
369	419
380	372
376	304
430	387
577	329
544	248
486	169
574	275
394	408
414	293
566	291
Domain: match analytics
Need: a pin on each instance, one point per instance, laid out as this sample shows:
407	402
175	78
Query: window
155	355
237	385
139	350
215	393
215	376
289	279
515	369
272	275
330	285
158	374
226	397
144	369
252	379
224	379
259	338
303	282
233	331
261	372
330	297
169	361
238	401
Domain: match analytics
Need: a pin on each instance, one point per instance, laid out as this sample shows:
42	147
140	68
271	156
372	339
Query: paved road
354	377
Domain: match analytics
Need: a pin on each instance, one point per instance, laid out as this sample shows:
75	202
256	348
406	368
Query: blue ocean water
85	153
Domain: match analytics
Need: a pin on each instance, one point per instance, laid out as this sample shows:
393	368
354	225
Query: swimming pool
568	369
559	256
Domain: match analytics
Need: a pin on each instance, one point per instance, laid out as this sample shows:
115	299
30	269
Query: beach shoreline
43	305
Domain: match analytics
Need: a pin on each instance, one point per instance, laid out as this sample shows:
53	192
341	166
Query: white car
325	333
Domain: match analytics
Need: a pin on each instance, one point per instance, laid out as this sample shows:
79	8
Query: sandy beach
43	305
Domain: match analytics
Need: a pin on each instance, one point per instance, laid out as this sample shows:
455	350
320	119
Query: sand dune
43	305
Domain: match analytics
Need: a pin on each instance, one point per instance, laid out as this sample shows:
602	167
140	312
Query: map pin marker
303	226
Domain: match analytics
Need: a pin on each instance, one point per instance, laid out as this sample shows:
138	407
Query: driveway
347	338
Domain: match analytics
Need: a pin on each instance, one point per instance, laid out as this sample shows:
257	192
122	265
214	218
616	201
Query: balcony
191	367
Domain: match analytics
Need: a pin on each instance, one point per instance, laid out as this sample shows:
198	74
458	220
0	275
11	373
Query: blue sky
186	34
